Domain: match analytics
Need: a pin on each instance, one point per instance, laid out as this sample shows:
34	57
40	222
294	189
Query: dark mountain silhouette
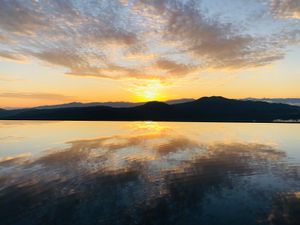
203	109
79	104
4	112
177	101
110	104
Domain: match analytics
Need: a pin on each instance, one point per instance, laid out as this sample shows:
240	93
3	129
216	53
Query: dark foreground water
69	173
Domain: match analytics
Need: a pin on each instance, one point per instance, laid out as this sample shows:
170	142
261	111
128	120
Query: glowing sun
149	91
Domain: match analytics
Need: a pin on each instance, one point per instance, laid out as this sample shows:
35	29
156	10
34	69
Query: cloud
173	68
17	18
212	43
115	39
286	8
28	95
2	38
12	57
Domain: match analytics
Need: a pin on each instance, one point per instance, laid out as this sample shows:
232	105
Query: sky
58	51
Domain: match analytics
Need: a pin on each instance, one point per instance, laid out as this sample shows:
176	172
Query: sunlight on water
149	173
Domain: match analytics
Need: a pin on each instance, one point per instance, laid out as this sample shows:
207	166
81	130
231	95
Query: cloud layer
286	8
28	95
138	38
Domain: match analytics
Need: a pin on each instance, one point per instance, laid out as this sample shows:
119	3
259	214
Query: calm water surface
69	173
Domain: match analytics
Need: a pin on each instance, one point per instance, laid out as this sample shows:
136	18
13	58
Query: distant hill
110	104
203	109
4	112
177	101
289	101
79	104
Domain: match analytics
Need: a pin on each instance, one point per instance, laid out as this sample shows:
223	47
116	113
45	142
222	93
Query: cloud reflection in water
153	178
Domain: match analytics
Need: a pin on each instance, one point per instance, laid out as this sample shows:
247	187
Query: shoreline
179	121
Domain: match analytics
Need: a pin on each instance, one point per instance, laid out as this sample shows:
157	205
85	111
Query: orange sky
137	50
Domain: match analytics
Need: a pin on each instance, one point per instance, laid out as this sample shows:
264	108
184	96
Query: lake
69	173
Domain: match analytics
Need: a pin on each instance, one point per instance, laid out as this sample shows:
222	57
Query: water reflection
285	209
155	177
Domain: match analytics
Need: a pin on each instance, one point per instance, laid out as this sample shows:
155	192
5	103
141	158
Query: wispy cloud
286	8
5	79
165	38
11	56
28	95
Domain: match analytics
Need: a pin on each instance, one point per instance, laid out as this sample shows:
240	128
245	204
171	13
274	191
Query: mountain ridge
214	108
118	104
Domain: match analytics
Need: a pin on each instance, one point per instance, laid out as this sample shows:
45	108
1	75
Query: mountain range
121	104
111	104
204	109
